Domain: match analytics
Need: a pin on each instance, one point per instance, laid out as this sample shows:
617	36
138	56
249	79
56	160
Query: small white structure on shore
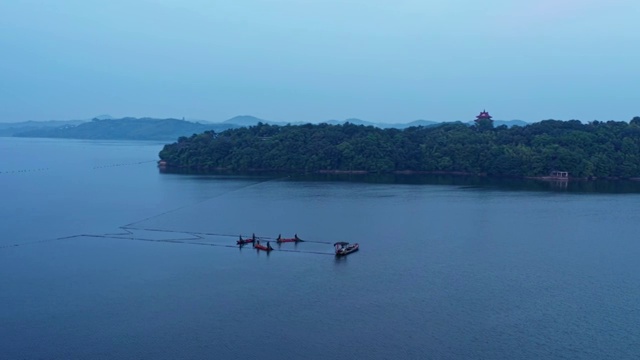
559	175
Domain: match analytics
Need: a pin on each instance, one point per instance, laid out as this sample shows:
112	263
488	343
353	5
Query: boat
294	239
250	240
258	246
344	248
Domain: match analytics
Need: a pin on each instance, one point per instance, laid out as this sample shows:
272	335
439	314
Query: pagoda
483	120
484	115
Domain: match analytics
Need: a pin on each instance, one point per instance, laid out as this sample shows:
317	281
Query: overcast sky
314	60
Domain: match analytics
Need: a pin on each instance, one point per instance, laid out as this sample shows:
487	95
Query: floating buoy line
39	241
24	171
124	164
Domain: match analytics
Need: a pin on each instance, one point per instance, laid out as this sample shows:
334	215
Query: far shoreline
163	165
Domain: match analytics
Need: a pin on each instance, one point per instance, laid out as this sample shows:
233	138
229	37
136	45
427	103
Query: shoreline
164	165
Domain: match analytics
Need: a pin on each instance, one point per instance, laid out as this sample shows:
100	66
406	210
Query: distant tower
483	121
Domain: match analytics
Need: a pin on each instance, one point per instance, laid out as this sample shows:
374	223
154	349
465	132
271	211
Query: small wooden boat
344	248
250	240
258	246
294	239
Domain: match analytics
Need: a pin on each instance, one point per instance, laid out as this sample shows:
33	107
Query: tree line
595	150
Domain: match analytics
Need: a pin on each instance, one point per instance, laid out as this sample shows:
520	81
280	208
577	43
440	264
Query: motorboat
344	248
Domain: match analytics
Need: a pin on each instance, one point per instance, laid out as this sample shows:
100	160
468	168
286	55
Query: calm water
458	269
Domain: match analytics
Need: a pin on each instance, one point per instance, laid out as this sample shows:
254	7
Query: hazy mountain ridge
127	129
131	128
10	129
248	120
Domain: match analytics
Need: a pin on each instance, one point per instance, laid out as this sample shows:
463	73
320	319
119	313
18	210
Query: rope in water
197	203
183	241
195	235
217	234
38	241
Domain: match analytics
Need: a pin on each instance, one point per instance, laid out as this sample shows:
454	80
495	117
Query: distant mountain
510	123
127	129
356	121
425	123
246	120
50	123
106	127
351	121
10	129
198	121
382	125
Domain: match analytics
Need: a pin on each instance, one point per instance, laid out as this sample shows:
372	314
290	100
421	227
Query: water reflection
340	260
463	182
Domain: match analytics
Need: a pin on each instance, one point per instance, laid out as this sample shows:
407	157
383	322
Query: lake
448	268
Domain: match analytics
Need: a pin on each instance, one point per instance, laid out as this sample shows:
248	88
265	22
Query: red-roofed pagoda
484	115
483	121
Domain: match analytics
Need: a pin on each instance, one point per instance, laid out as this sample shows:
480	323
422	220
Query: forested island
595	150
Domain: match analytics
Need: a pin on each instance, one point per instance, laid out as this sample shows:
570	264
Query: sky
315	60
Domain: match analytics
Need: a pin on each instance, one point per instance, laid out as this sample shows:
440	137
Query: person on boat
268	245
296	237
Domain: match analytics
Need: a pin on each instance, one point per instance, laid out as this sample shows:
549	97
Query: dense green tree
596	149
